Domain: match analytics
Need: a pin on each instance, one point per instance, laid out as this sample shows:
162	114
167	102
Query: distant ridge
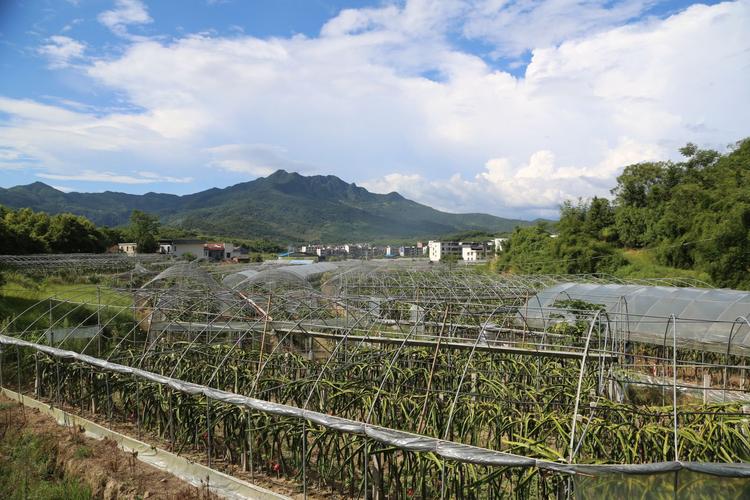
285	206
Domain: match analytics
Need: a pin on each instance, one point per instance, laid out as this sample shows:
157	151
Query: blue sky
507	107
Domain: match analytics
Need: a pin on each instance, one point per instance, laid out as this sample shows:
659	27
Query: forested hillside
692	215
284	207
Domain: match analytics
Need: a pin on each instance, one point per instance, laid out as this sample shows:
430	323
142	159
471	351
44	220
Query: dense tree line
24	231
692	214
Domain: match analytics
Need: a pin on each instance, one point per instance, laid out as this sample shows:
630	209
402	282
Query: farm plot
392	384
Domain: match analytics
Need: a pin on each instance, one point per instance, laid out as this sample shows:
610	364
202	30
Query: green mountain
284	206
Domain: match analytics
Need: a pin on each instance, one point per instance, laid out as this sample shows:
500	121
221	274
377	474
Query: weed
83	452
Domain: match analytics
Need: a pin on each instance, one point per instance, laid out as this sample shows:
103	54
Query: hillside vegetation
25	231
284	207
688	218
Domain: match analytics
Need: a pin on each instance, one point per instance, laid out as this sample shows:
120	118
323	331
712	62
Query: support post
171	420
304	459
98	322
18	368
674	384
208	430
706	386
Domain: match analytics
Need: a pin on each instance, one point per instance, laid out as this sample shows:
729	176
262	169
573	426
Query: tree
599	218
68	233
528	250
450	259
27	230
578	248
143	230
641	185
112	236
692	214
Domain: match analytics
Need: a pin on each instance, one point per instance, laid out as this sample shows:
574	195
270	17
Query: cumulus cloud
253	159
61	51
383	96
96	176
534	187
125	13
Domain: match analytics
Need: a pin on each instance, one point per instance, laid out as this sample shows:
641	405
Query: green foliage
692	215
83	452
284	206
575	250
143	230
72	233
528	250
474	235
450	259
28	468
695	214
642	263
25	231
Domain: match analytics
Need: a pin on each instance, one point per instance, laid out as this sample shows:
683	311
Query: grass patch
642	264
83	452
24	304
32	289
28	469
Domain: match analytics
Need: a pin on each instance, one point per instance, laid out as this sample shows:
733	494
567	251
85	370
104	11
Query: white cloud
13	159
96	176
515	27
64	189
535	187
72	24
355	102
126	12
253	159
61	51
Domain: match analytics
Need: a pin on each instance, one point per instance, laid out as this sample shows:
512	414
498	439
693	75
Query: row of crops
513	404
439	356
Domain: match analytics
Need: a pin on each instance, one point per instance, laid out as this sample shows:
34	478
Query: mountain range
285	206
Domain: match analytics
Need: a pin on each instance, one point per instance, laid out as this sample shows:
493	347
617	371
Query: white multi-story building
439	249
180	247
473	253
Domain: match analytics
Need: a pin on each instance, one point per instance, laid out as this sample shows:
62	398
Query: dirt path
110	472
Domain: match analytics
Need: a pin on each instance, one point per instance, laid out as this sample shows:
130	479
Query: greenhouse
707	319
385	379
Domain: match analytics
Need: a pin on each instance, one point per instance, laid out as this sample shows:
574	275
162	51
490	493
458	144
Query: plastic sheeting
300	275
400	439
705	317
185	271
683	483
633	381
237	279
